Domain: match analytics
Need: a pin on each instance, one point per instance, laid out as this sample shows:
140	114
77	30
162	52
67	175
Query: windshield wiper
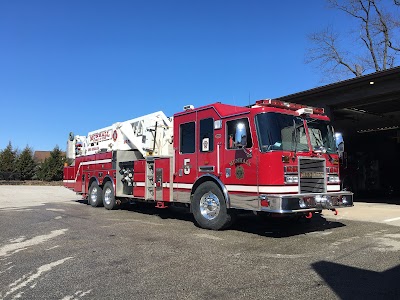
294	138
310	129
320	145
319	142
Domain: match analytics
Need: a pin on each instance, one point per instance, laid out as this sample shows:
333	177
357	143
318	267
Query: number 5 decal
186	166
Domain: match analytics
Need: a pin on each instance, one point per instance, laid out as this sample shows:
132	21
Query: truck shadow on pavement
245	222
354	283
248	222
282	227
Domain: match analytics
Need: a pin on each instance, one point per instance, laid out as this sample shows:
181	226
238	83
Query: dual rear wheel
95	197
102	196
208	204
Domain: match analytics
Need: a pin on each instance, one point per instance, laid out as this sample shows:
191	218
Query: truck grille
312	177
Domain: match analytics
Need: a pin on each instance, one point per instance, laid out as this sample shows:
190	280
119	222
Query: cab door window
238	134
187	138
206	142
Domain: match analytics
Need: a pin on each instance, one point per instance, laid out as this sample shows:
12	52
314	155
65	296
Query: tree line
21	165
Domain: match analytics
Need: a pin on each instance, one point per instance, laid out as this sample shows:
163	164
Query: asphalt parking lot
54	246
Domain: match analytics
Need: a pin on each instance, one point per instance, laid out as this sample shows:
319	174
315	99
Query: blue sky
82	65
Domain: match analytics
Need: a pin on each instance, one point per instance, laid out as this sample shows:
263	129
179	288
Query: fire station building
367	111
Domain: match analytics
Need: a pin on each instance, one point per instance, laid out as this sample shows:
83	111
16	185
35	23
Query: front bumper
293	203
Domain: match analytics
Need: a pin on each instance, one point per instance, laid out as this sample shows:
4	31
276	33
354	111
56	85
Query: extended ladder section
150	135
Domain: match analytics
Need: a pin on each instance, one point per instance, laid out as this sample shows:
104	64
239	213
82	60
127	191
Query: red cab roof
223	110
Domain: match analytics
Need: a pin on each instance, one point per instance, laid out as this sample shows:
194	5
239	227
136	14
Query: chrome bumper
292	203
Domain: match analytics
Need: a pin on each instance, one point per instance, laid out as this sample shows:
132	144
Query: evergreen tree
52	168
8	158
25	164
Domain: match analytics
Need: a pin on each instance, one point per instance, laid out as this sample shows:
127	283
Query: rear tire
109	201
95	197
209	207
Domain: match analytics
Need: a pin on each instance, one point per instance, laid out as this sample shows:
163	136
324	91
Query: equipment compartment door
163	179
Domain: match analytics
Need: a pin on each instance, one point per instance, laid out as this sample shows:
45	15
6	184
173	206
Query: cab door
240	164
185	146
209	142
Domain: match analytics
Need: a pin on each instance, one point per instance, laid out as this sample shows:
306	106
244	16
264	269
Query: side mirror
339	143
240	136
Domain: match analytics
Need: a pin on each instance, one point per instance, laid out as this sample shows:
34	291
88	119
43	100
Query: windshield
286	132
281	132
321	135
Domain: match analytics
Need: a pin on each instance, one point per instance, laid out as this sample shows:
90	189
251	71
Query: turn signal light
291	169
332	170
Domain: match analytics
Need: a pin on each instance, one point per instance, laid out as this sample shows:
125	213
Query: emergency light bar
292	106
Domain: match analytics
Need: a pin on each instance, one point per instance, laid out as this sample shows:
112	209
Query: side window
206	135
232	128
187	138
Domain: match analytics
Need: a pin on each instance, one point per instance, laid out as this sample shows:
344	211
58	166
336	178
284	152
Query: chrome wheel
108	196
209	206
95	198
94	195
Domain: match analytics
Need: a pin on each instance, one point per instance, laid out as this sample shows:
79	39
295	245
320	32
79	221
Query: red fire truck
273	158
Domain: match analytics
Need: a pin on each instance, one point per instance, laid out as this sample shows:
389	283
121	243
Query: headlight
333	179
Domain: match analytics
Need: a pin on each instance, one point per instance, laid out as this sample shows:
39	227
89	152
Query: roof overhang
362	104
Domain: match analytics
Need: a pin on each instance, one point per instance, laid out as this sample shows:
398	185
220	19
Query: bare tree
375	47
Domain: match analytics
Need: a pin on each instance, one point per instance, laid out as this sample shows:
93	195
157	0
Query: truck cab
273	157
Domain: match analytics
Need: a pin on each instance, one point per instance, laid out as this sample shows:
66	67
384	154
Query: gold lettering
240	161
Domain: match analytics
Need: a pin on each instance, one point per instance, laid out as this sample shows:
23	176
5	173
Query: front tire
209	207
109	201
95	196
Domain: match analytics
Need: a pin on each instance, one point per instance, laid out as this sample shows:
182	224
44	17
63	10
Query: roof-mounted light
188	107
300	108
305	111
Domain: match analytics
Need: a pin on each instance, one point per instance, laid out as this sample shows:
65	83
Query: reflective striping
69	181
167	185
333	188
262	189
277	189
187	186
101	161
86	163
